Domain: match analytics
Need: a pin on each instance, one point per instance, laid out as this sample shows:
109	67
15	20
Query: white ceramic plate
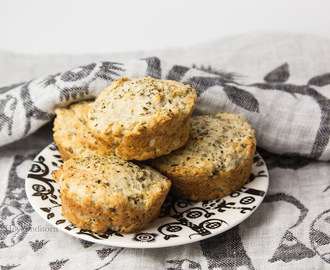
180	221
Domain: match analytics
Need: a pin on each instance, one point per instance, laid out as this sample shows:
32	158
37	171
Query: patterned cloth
281	84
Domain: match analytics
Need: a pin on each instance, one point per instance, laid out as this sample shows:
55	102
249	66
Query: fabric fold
289	118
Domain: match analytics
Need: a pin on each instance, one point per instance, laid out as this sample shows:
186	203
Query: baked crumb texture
72	136
206	157
142	118
101	193
216	160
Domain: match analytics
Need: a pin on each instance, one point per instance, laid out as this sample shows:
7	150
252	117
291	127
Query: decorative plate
180	221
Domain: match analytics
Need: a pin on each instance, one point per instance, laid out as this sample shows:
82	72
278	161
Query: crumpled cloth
279	83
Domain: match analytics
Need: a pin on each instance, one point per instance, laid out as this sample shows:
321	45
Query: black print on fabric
202	83
37	244
79	89
86	244
177	73
289	199
227	76
242	98
50	80
276	79
78	73
9	266
8	88
235	94
108	253
75	84
320	237
9	103
183	264
105	252
154	68
327	188
226	251
15	210
290	247
321	80
58	264
108	71
286	161
67	93
279	74
31	111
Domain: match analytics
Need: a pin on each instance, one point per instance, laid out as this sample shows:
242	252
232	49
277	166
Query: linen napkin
290	118
288	105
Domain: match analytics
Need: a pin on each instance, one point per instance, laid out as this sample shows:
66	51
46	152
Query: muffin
142	118
216	160
101	193
71	134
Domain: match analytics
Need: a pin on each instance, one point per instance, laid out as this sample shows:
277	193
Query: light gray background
101	26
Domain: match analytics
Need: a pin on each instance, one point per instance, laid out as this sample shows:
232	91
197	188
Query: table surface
80	27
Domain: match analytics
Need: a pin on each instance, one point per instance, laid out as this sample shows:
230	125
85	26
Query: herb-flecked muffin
142	118
216	160
101	193
71	134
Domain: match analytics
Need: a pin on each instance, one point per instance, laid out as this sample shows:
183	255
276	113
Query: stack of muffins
104	181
